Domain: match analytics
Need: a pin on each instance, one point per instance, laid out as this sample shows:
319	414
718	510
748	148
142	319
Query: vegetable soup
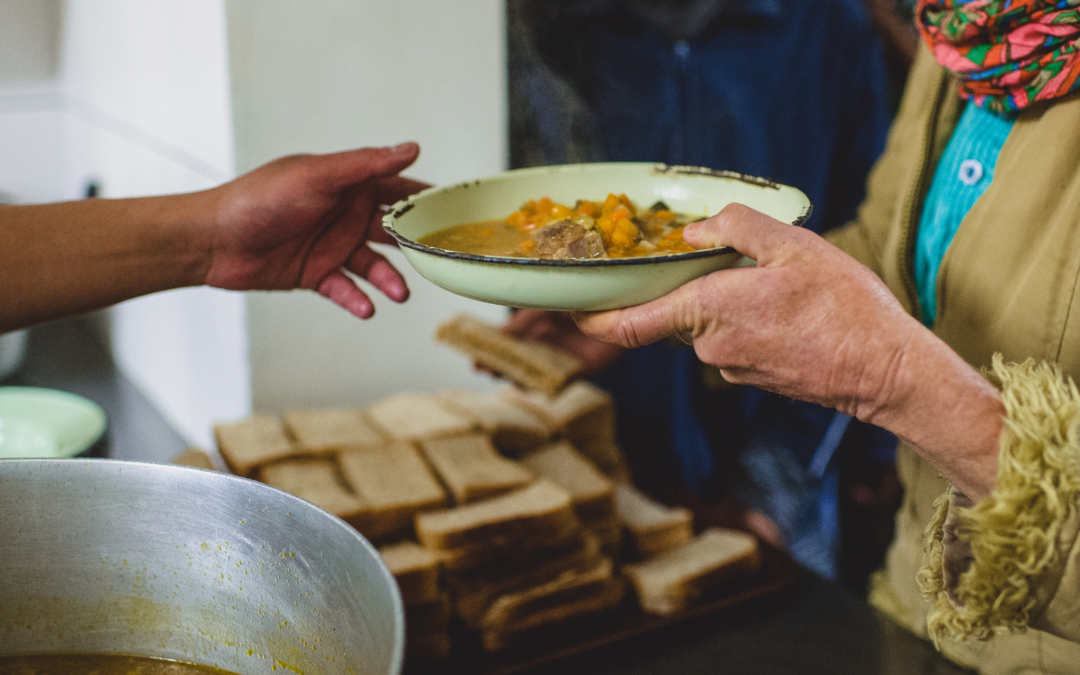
612	228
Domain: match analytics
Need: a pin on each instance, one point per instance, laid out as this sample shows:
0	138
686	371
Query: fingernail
692	228
403	148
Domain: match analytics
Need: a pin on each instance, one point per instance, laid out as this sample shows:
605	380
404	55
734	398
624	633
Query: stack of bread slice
472	469
582	414
591	492
340	461
516	563
510	512
511	429
418	572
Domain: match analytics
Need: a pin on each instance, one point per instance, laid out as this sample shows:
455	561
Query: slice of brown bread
326	431
472	469
474	590
534	512
530	364
412	417
317	480
652	526
512	429
395	483
513	551
569	595
249	444
669	582
592	493
660	541
416	570
582	410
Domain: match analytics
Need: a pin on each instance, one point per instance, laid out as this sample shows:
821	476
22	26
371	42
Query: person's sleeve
1012	560
865	237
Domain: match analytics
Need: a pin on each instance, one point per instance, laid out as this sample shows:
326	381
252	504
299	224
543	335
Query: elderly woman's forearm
947	410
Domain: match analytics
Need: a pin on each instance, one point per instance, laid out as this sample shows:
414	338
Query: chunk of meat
565	239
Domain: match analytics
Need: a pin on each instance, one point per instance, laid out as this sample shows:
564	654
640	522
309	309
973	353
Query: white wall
29	40
146	84
335	74
132	94
153	96
30	129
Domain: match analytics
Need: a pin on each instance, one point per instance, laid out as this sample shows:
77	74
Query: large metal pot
109	556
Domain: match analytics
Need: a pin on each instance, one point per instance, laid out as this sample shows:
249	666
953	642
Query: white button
682	49
971	170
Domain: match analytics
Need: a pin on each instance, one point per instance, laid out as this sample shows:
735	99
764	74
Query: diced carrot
610	204
664	215
527	246
587	208
624	233
517	219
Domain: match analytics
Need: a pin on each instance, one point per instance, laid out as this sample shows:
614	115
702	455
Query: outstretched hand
810	322
807	321
304	221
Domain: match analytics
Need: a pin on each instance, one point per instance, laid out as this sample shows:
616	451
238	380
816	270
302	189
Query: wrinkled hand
559	330
808	321
303	221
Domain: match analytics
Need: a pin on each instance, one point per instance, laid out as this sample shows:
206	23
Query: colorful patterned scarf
1008	54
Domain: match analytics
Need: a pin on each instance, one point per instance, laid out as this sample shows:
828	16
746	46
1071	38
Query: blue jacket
793	90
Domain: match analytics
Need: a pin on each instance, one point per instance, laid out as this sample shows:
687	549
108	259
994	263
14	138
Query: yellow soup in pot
612	228
99	664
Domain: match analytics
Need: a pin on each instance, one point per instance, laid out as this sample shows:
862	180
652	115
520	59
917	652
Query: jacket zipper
912	202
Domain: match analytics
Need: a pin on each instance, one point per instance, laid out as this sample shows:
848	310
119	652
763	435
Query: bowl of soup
105	560
578	237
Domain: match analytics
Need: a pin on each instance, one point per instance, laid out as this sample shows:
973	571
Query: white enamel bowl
579	285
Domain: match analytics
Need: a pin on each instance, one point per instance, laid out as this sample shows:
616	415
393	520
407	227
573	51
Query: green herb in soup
612	228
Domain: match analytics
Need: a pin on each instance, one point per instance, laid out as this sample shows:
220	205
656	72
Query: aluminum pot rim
18	465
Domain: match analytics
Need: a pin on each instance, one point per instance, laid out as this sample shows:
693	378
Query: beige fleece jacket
1001	579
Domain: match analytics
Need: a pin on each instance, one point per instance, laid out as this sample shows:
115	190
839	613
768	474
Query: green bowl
46	423
579	285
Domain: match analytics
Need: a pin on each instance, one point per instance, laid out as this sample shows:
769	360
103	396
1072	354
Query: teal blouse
963	174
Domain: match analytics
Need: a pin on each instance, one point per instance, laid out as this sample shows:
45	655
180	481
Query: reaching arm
297	222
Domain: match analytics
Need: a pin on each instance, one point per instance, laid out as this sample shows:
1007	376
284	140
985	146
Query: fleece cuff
992	567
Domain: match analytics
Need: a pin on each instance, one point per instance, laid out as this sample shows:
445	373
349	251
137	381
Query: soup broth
612	228
99	664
